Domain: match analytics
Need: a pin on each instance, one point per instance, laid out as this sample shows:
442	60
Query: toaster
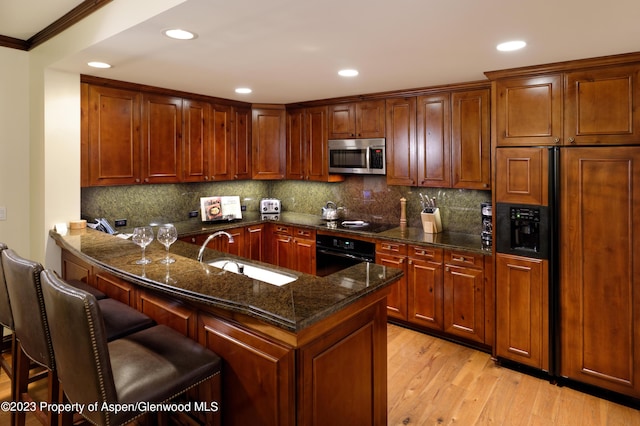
270	206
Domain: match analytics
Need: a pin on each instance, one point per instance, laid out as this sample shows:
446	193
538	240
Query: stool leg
21	379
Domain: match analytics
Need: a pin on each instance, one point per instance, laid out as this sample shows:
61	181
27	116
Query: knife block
431	223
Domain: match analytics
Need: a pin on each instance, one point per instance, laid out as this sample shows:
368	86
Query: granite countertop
406	235
292	307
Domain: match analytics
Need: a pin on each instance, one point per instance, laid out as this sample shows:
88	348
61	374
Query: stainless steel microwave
358	156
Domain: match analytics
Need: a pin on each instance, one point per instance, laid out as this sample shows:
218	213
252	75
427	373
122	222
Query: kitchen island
309	352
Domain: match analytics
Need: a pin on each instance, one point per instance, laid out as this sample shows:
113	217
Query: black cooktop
360	225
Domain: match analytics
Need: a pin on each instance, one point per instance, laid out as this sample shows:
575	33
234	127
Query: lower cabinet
114	287
293	248
395	255
426	287
258	374
522	310
169	312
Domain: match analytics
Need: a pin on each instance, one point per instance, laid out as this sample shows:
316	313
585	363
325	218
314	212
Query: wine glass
167	235
142	236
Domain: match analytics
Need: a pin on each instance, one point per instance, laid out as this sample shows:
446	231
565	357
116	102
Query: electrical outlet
193	213
121	222
3	213
243	208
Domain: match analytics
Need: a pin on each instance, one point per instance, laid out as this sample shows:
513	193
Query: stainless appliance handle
345	255
368	157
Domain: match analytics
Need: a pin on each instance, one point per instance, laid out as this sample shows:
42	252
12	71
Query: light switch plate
3	213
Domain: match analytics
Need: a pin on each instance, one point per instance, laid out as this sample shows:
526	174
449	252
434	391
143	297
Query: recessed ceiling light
96	64
243	90
348	73
511	45
179	34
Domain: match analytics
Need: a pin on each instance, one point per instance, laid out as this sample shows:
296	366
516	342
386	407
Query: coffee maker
486	235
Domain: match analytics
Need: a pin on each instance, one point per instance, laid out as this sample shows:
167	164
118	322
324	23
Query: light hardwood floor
436	382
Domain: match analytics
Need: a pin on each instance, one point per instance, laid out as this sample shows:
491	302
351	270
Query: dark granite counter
292	307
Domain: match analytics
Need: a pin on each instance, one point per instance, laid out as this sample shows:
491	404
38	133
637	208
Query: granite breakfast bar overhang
307	352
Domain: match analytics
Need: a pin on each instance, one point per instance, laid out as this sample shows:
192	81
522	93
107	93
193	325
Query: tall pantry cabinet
591	110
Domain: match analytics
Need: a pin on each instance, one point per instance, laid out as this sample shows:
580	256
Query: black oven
336	253
522	230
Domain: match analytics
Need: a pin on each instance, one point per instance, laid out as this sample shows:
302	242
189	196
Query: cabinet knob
137	180
572	140
146	180
556	140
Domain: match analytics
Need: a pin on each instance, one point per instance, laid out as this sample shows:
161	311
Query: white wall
14	148
41	168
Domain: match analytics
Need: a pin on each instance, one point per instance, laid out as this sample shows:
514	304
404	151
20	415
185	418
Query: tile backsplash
361	197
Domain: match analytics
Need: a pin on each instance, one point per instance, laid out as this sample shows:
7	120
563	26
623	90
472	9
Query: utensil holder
431	222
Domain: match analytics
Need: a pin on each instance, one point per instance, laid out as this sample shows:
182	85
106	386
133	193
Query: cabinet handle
458	258
556	140
572	140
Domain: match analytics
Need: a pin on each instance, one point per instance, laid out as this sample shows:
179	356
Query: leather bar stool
22	279
153	365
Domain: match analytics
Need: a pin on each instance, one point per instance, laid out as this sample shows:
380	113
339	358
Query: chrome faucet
209	238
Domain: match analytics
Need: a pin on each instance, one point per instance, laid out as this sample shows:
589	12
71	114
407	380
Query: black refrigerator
568	263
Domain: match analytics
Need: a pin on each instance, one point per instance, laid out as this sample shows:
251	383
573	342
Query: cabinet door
463	297
113	147
470	140
269	143
370	119
73	268
116	288
401	141
304	251
395	256
522	310
529	111
242	143
162	144
599	258
169	312
316	154
295	144
425	287
600	106
221	165
434	141
195	151
342	121
259	384
522	175
254	243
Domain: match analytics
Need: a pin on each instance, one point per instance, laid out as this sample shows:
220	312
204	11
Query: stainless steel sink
254	271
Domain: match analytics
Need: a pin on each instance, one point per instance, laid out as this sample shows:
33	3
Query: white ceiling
290	50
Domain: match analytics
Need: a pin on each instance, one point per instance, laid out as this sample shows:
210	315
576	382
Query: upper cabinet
111	136
440	139
269	142
307	145
132	136
364	119
161	138
593	106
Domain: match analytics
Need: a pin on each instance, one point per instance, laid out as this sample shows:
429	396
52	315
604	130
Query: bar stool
151	366
22	279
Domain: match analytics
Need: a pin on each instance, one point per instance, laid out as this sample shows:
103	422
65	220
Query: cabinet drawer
462	258
304	233
282	229
391	248
426	253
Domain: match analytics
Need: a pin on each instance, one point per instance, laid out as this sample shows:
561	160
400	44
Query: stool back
6	318
22	277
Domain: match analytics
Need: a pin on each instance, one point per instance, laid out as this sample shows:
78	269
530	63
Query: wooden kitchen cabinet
425	287
522	175
169	312
115	287
161	138
464	295
401	141
601	106
364	119
307	153
249	358
112	133
221	243
242	143
254	244
470	140
522	310
221	148
293	248
395	255
195	149
599	280
434	140
529	110
269	142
